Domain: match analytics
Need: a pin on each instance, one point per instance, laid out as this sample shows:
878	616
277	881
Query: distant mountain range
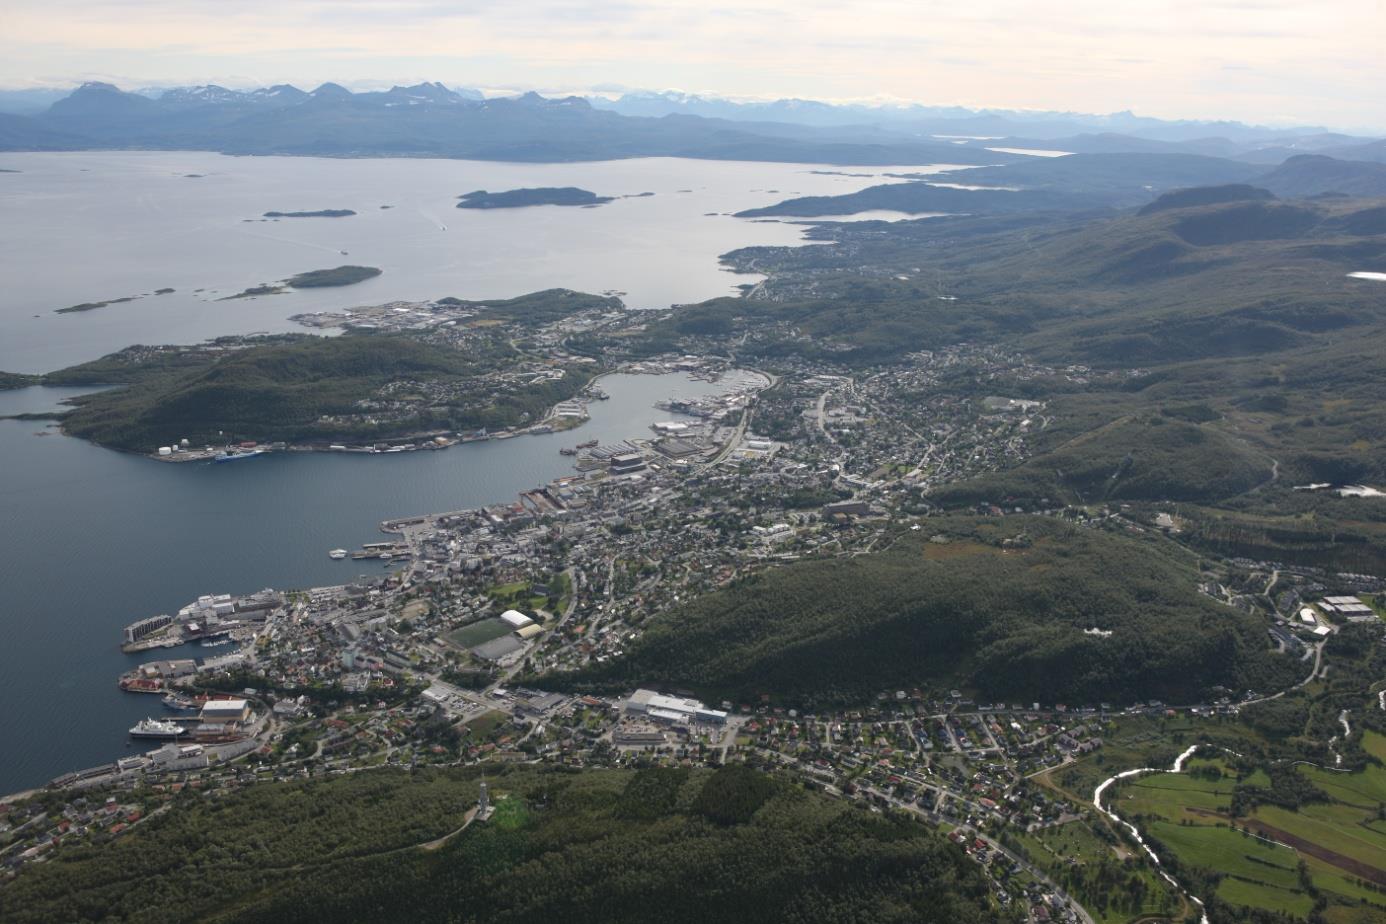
1116	132
1084	182
430	119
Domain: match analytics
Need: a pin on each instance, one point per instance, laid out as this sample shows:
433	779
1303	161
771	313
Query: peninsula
430	373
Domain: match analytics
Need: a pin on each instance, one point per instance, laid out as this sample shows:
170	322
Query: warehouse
221	711
672	709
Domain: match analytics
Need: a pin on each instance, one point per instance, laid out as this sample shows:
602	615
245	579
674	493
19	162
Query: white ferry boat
154	728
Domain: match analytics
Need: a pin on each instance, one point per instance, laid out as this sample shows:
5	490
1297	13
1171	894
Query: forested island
320	213
92	306
521	198
313	279
338	276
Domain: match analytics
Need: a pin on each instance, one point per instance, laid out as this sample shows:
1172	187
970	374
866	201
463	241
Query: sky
1273	62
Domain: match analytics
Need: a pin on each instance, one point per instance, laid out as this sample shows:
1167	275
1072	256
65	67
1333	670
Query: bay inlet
95	539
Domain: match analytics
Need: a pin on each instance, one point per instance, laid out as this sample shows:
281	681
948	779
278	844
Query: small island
253	291
92	306
320	213
338	276
521	198
313	279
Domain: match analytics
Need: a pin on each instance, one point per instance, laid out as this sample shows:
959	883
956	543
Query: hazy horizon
1266	62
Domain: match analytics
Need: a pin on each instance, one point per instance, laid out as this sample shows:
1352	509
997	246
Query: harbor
225	528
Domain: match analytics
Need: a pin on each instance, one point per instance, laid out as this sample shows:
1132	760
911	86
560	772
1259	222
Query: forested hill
599	846
1073	183
1021	609
301	389
1224	279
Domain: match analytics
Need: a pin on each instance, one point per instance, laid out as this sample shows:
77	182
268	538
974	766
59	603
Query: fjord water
94	539
94	226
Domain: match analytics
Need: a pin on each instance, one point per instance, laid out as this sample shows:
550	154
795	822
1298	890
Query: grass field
1341	842
1336	827
484	724
507	591
1173	795
1231	852
1374	744
478	633
1253	895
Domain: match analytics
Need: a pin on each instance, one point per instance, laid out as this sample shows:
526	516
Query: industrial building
1349	608
221	711
673	710
627	462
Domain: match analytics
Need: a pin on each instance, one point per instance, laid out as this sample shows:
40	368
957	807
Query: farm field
1341	843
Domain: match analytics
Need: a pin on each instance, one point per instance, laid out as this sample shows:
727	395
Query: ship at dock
155	728
178	703
234	455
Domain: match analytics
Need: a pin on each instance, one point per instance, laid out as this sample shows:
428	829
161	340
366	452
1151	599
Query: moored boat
235	455
155	728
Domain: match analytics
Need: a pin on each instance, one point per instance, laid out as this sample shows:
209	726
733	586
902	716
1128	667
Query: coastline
554	421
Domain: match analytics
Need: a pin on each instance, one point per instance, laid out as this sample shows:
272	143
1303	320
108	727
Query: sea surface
95	226
91	539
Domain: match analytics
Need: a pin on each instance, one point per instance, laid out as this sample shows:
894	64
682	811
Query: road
734	441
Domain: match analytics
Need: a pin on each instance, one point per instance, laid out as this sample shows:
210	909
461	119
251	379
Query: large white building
221	711
516	619
672	709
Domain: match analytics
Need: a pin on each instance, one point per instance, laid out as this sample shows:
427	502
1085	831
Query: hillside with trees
299	389
1025	608
563	845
